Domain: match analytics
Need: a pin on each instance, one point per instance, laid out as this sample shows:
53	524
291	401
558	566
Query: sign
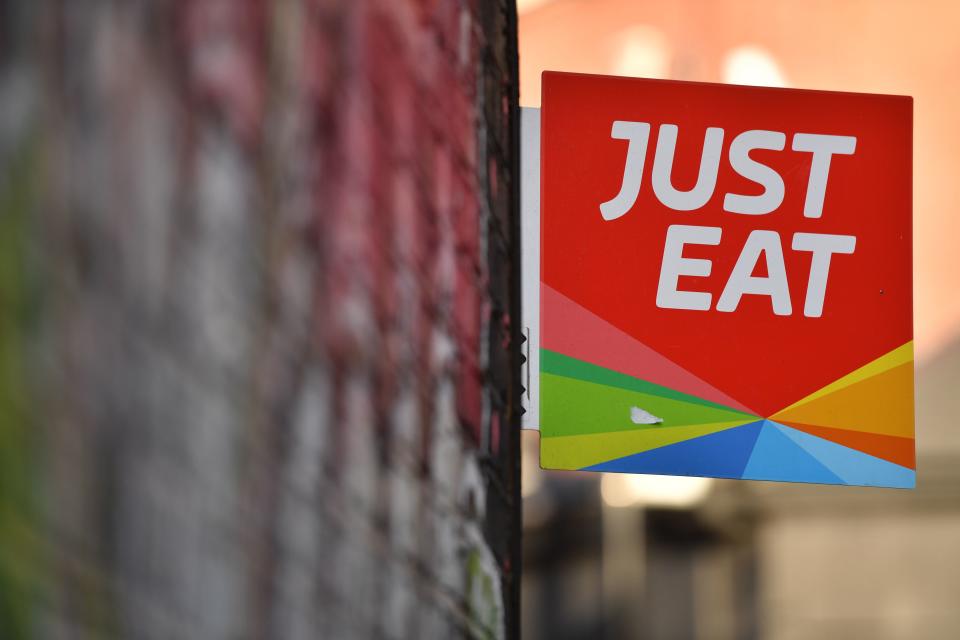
726	281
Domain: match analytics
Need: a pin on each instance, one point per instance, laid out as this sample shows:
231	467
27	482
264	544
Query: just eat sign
726	281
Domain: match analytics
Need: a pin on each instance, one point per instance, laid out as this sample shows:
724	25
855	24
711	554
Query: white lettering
742	281
638	134
823	147
675	265
742	163
823	246
706	179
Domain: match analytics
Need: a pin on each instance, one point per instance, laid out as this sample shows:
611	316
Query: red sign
750	247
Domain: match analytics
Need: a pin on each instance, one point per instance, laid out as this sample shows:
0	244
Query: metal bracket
530	263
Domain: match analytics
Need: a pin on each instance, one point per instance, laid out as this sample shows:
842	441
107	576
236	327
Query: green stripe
563	365
569	406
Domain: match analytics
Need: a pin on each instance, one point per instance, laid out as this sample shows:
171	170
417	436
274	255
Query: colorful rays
857	430
570	329
870	409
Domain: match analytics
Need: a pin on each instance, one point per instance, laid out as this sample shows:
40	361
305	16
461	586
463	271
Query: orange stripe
891	448
879	404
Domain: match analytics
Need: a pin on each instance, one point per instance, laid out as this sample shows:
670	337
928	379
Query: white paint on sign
640	416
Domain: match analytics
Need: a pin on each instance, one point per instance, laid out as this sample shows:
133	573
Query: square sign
726	281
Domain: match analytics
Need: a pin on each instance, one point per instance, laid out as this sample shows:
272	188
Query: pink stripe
570	329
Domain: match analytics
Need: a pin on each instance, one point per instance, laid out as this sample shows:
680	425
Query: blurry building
660	559
257	367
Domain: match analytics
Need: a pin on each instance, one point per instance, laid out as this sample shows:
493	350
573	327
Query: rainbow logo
857	430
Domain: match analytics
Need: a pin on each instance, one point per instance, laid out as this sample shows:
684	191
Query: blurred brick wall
258	264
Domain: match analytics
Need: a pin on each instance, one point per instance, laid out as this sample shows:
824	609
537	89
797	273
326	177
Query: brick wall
258	265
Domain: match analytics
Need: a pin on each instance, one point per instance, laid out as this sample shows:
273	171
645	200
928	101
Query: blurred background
259	357
257	368
644	557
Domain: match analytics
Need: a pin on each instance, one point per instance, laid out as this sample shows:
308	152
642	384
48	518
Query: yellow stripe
579	451
881	404
901	355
